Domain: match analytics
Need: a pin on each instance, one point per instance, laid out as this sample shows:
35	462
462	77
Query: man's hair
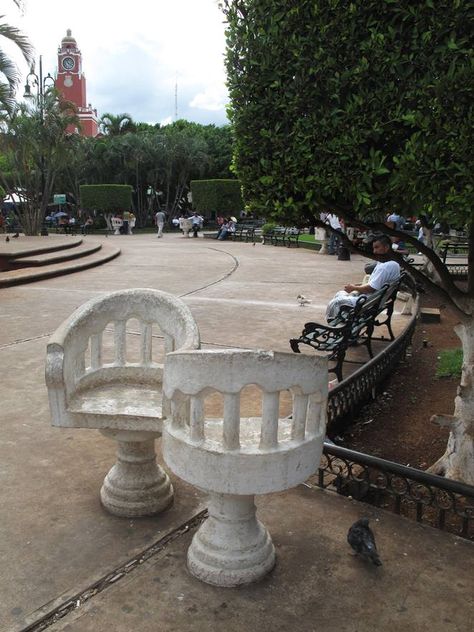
383	239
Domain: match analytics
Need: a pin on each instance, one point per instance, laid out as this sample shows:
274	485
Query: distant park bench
453	249
281	235
244	232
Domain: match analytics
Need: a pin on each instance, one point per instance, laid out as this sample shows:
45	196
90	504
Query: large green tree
360	108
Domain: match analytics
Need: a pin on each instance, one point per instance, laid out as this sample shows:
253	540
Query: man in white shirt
385	272
333	220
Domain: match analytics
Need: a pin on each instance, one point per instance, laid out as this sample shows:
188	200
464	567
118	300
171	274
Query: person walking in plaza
160	218
126	220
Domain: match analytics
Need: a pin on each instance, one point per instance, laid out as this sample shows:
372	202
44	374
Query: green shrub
268	227
449	363
217	197
108	198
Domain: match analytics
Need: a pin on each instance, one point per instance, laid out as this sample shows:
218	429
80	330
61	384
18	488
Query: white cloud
134	53
213	98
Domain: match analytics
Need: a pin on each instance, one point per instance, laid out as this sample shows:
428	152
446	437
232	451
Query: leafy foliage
217	197
35	146
106	197
359	107
8	69
157	162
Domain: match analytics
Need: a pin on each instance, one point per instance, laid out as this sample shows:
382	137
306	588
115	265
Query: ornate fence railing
426	498
360	385
458	270
413	493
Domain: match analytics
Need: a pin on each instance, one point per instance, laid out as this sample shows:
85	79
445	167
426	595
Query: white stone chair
121	398
234	458
117	224
186	227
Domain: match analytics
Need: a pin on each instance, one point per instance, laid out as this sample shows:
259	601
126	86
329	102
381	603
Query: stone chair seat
115	405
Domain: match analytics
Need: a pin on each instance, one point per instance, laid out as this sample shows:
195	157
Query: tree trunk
458	460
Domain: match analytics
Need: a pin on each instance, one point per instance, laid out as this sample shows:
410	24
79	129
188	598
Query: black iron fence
424	497
415	494
356	389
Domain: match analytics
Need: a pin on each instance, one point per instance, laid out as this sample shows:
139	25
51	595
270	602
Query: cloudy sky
134	53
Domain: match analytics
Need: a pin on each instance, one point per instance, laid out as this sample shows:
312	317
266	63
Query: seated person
385	272
87	225
227	228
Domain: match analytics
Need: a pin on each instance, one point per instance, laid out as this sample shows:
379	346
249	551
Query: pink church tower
71	83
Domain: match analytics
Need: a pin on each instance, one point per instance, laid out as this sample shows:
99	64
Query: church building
71	83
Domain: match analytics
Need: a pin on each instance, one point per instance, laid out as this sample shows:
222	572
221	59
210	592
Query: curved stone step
57	256
28	246
29	275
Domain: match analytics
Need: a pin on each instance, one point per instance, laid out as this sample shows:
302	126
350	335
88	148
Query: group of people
192	223
226	226
128	220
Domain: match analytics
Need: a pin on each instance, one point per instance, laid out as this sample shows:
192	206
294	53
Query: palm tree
115	124
8	69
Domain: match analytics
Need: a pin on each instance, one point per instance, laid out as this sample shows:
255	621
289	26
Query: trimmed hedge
106	197
217	197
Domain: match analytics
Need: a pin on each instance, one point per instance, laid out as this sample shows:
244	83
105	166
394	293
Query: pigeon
16	235
362	540
302	300
7	238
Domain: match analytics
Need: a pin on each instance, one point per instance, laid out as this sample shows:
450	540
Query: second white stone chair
235	457
121	397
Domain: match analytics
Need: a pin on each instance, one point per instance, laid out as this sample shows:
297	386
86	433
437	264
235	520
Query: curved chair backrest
191	375
66	363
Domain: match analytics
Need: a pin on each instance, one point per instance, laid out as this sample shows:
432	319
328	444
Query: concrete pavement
56	541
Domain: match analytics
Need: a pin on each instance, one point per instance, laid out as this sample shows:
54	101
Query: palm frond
19	39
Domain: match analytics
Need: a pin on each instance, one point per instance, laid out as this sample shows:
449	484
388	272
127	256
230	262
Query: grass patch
449	363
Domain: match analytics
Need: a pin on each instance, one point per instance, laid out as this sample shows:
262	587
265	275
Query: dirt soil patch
396	426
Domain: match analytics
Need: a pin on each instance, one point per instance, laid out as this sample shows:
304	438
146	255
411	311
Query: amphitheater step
56	256
90	255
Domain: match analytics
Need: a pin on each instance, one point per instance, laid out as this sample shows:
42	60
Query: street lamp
42	85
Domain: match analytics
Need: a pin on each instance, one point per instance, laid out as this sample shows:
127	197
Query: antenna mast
176	98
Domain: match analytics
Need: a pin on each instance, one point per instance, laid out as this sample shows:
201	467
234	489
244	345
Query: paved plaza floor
57	544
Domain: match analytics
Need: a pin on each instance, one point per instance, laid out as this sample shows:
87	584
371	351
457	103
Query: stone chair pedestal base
232	547
136	485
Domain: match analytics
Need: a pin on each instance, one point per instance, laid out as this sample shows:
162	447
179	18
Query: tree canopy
359	107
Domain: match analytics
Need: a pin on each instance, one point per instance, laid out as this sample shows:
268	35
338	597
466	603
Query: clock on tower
71	83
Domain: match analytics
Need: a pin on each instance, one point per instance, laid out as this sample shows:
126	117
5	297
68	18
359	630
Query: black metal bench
292	237
244	232
454	249
282	236
353	326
